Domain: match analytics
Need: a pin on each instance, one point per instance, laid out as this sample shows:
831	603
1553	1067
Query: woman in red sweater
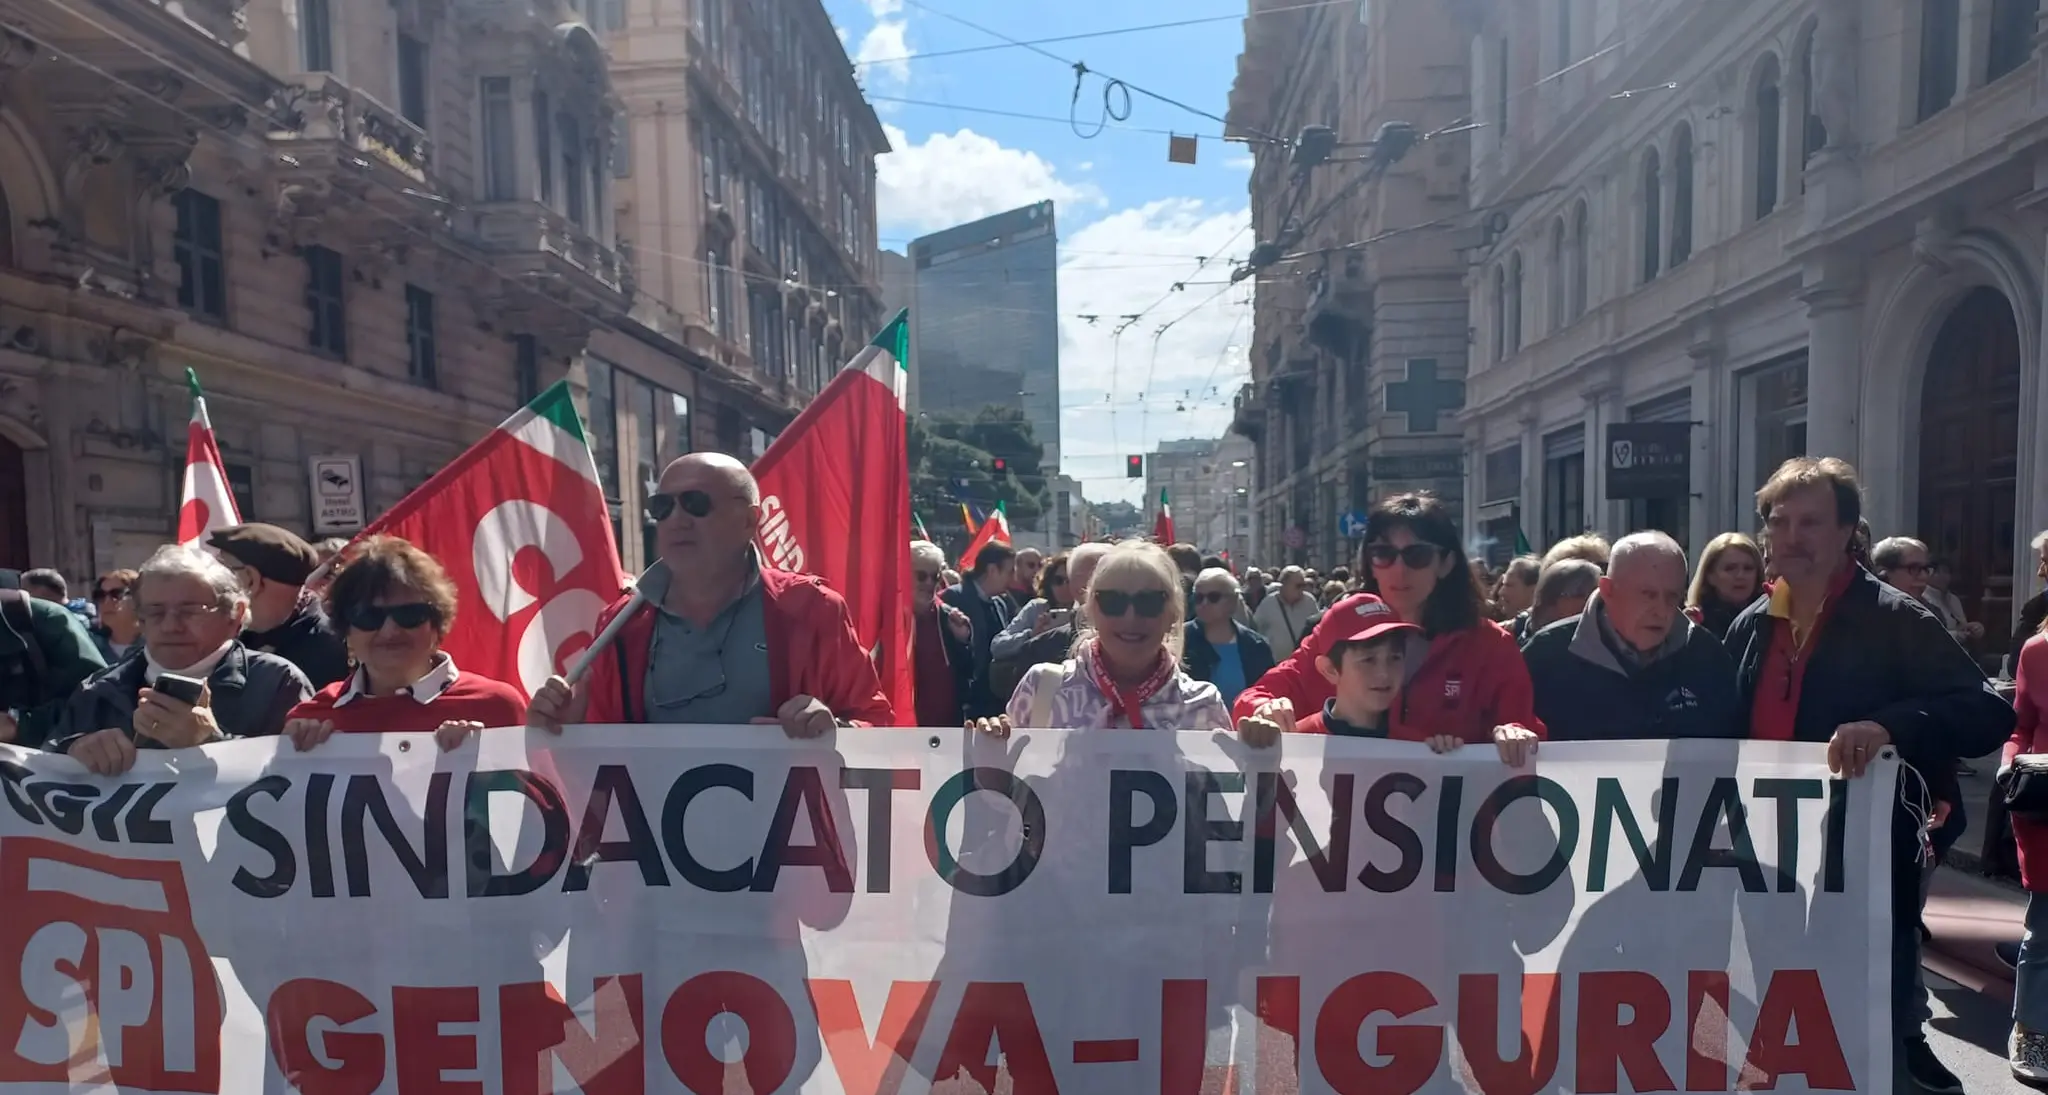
2027	1049
396	604
1471	682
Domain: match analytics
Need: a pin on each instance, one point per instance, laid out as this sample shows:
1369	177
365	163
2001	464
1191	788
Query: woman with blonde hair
1729	577
1125	669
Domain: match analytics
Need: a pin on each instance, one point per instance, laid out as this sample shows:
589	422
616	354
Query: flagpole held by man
713	635
206	504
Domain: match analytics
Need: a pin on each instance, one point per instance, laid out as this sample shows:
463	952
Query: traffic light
1001	465
1134	467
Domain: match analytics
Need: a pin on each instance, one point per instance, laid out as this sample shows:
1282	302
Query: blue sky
1131	223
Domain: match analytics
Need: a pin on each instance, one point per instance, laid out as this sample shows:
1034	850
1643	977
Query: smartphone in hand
182	689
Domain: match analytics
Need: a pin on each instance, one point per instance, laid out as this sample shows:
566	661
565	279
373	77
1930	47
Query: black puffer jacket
1585	691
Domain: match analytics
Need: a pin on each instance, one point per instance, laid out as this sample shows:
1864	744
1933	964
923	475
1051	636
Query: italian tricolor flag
520	523
206	504
1162	525
995	530
835	501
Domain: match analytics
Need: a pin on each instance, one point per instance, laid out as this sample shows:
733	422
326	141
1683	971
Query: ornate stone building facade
1359	319
373	230
1812	227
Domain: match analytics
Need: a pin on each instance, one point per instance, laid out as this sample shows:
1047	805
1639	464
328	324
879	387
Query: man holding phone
195	683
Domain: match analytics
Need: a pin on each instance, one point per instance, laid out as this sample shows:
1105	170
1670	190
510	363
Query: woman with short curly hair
394	605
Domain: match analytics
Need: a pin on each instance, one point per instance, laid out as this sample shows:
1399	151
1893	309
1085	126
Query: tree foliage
1120	517
953	460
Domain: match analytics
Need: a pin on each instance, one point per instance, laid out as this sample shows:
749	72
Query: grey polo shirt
714	674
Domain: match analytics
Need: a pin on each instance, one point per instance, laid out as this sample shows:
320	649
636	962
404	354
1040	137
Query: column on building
1602	393
1710	436
1532	478
1834	311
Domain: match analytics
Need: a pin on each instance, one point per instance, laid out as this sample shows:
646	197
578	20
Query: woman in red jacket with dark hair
1471	682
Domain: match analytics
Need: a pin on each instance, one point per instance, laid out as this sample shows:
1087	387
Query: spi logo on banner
115	984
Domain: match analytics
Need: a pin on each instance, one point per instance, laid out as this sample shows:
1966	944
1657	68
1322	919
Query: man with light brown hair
1834	655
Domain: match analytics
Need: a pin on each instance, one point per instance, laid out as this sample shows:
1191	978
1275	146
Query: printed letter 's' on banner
1113	911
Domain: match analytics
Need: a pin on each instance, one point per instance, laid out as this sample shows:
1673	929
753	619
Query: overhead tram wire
1112	85
1232	18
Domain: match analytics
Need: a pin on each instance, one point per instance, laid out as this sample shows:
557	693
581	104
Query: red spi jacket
812	651
2030	735
1470	682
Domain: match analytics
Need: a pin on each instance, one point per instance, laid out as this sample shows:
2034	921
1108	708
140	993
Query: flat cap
276	553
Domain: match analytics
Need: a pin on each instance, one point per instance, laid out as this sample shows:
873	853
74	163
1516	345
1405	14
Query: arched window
1576	304
1515	302
1941	37
1681	194
1553	276
1500	313
1766	130
2012	35
1653	216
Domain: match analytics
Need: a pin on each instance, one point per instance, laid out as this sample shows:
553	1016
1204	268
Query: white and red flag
207	503
1162	524
995	530
519	522
835	501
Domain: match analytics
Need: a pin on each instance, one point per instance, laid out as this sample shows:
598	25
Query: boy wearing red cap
1363	665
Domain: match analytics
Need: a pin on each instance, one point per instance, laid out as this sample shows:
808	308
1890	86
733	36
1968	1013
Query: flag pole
581	666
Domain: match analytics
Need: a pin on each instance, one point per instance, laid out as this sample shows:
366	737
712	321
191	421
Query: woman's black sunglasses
1150	604
696	503
408	616
1213	596
1414	556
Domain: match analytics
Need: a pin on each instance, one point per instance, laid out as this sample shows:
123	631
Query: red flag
520	524
835	502
207	503
1162	524
995	530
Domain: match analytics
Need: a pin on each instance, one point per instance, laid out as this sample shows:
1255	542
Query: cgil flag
207	504
1162	525
835	501
995	530
521	525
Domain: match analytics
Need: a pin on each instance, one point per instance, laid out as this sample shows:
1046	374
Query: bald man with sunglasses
721	638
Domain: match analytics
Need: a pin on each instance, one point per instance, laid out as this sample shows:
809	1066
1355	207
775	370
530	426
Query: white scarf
202	669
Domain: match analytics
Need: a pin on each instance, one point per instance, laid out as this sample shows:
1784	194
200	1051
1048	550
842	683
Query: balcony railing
324	109
528	227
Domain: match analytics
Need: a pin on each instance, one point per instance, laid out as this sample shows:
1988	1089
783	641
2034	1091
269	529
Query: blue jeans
2030	981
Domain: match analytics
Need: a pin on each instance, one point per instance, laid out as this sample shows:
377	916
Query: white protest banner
632	909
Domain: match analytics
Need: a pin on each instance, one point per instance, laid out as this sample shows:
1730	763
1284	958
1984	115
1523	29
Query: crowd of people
1808	632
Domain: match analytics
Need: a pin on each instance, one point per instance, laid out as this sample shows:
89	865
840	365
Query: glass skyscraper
987	321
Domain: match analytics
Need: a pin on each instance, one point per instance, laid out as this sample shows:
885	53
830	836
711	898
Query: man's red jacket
812	651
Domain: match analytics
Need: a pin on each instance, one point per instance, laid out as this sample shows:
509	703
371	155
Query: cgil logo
777	537
115	985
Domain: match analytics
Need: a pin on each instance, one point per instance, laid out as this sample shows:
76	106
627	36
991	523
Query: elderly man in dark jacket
1834	655
1632	665
192	608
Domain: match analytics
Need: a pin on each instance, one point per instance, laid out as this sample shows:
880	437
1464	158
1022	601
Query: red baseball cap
1355	619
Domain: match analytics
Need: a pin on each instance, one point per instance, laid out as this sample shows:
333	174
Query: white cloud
1241	163
884	53
952	178
1119	396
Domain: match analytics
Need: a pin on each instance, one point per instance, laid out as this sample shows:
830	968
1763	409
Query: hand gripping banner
719	909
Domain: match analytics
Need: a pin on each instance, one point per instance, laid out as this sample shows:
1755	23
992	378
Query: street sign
1649	460
337	486
1352	524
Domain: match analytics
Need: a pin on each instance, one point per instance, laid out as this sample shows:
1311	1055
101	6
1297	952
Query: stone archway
1969	452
